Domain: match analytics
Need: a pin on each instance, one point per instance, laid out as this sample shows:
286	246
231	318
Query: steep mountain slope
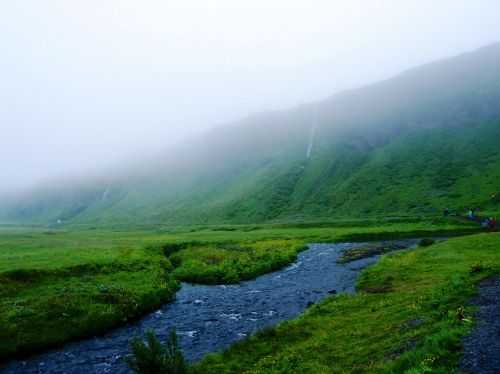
411	145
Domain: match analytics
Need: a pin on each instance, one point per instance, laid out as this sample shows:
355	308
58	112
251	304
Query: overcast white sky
86	83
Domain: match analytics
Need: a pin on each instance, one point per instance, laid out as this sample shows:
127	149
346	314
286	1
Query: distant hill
412	145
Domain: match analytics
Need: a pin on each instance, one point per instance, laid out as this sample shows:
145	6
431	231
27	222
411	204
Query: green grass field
58	285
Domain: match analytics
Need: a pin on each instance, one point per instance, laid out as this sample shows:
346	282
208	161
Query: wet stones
370	250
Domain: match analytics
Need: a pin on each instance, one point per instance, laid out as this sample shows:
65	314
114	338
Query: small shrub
477	268
23	275
151	357
170	249
426	242
266	333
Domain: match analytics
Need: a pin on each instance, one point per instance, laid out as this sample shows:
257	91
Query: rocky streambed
210	318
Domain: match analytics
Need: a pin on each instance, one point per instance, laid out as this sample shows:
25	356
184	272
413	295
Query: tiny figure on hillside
493	224
486	223
470	214
446	212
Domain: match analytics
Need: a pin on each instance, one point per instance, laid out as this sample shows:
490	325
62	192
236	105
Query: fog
87	84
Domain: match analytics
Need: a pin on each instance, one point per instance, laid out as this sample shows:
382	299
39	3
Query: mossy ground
230	263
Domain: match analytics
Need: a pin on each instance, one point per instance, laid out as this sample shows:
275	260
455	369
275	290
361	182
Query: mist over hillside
421	141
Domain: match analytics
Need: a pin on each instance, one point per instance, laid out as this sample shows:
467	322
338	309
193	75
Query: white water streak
312	134
105	194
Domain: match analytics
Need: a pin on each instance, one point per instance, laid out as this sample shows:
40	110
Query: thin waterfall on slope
312	134
105	193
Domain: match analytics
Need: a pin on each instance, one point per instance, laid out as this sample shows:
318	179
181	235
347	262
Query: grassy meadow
59	285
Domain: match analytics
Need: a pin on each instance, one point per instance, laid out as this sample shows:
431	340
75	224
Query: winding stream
210	318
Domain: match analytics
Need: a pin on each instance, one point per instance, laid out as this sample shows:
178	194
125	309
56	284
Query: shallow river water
210	318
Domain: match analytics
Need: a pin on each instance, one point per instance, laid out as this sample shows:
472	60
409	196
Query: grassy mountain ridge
411	145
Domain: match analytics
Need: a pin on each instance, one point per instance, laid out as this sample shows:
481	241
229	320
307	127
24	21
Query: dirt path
482	347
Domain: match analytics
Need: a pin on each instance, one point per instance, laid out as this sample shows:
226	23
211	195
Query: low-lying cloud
88	84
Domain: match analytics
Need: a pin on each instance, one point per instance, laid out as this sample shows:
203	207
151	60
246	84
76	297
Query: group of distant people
490	222
472	214
486	222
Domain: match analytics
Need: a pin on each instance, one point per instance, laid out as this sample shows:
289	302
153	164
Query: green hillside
409	146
